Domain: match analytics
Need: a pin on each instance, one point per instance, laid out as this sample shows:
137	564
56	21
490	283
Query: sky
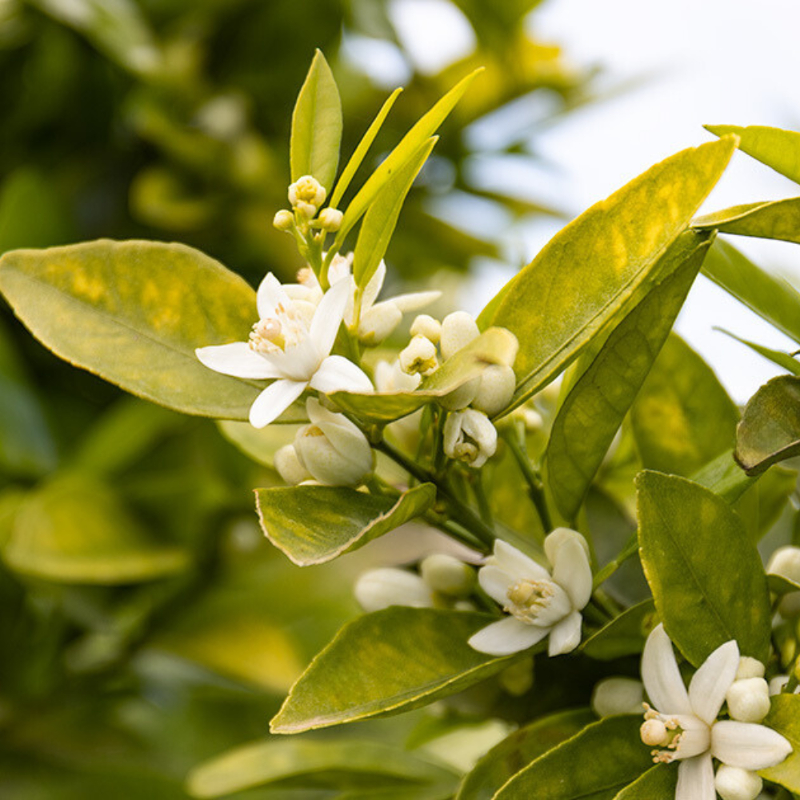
689	62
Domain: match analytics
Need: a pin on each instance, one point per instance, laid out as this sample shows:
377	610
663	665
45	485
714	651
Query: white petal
711	682
414	300
328	317
696	779
495	582
373	287
566	635
661	677
337	374
236	359
556	538
516	563
746	745
274	400
269	296
572	572
507	636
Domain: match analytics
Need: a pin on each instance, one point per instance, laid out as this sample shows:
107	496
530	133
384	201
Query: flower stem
609	569
515	441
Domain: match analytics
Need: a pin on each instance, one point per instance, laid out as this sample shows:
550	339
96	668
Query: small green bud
448	575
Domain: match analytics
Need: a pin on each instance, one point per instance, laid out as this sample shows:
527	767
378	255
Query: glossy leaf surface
779	219
658	783
774	147
784	717
623	636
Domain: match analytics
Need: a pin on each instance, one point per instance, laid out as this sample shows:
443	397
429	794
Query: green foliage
314	524
775	220
706	593
384	663
623	636
784	717
555	306
774	147
658	783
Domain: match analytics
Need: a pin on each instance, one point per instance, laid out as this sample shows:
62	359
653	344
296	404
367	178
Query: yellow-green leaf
133	313
592	268
703	568
314	524
779	219
317	125
658	783
386	663
784	717
623	636
774	147
785	360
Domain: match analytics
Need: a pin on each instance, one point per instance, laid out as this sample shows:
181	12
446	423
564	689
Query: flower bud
425	325
530	418
391	378
461	397
556	539
469	437
307	190
378	323
617	696
419	356
785	562
496	389
289	467
749	668
458	330
306	210
332	448
748	700
381	588
734	783
778	684
283	220
448	575
330	219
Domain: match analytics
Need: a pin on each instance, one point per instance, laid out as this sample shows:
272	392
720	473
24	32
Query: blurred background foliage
145	624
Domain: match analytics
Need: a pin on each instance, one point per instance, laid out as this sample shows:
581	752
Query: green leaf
594	266
521	747
780	585
772	298
784	717
761	506
774	147
682	417
593	765
381	217
782	359
75	530
314	524
405	150
363	146
123	311
658	783
259	444
770	428
386	663
724	477
494	346
704	570
778	219
592	412
297	763
623	636
317	125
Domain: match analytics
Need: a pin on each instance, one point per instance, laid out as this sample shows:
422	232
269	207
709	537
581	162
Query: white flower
389	586
419	356
291	343
470	437
540	603
685	723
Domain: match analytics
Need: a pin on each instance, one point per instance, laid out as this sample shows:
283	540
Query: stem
609	569
476	481
535	486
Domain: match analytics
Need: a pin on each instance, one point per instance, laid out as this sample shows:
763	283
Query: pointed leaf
596	763
784	717
658	783
592	412
623	636
314	524
122	310
724	477
592	268
317	125
296	763
772	298
706	575
774	147
770	428
782	359
386	663
779	219
521	747
381	217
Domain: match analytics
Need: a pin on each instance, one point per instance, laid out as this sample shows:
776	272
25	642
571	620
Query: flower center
267	336
288	327
541	602
661	731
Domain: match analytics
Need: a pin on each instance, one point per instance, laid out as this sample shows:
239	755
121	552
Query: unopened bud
556	539
496	389
307	190
458	330
330	219
778	684
381	588
289	467
378	323
332	448
425	325
785	562
283	220
749	668
530	418
748	700
617	695
654	732
305	210
734	783
448	575
419	356
470	437
461	397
